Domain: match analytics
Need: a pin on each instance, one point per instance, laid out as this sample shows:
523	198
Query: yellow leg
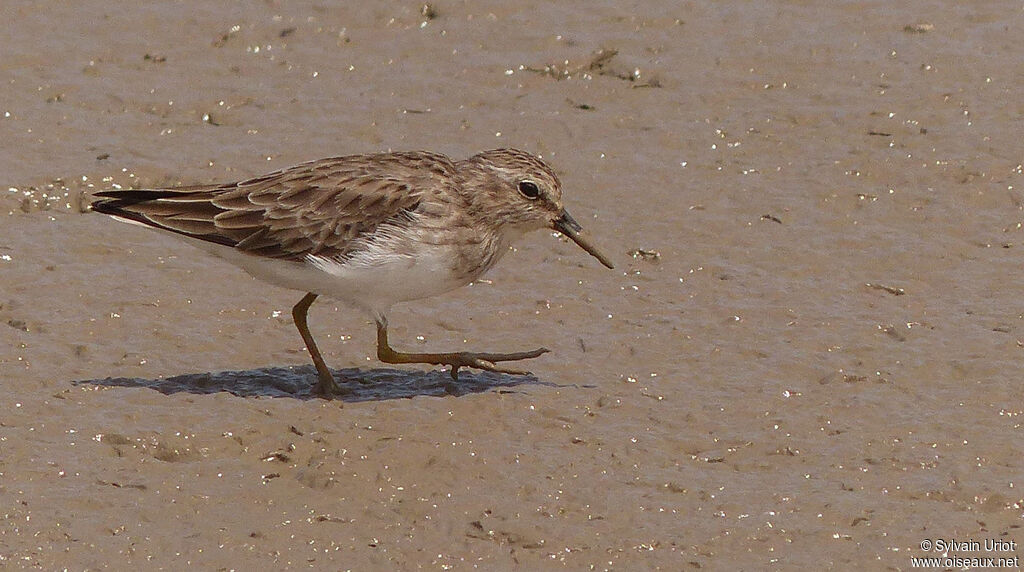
485	361
326	384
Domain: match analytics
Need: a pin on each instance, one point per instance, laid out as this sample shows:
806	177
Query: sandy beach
809	356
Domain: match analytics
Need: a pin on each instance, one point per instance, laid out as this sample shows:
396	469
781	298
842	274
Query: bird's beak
568	226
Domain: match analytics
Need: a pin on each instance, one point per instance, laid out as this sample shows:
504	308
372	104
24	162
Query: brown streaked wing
323	206
319	207
184	210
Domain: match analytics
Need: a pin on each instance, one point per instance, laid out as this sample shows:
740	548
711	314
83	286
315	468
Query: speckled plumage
370	230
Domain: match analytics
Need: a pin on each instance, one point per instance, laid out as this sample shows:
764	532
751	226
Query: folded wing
316	208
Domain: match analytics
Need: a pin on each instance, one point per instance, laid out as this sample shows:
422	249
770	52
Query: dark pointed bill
568	226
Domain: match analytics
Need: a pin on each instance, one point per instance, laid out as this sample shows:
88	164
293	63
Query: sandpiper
369	230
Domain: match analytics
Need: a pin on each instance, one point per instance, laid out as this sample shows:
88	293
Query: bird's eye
529	189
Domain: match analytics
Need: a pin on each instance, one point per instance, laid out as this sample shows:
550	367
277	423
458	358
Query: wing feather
322	207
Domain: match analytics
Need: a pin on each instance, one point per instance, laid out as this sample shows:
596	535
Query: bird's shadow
296	382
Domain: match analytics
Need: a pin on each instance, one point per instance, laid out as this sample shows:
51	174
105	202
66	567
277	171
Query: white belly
372	287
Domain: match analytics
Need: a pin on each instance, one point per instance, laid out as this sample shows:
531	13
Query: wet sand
809	356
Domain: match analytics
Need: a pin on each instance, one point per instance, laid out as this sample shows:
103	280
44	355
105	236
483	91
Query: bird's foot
486	361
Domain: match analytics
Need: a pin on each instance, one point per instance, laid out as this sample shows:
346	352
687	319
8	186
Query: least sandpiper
368	230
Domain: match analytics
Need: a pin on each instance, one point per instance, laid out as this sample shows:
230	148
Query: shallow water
809	354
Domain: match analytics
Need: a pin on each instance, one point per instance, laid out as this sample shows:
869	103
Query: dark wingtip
108	206
134	196
116	208
101	206
118	202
